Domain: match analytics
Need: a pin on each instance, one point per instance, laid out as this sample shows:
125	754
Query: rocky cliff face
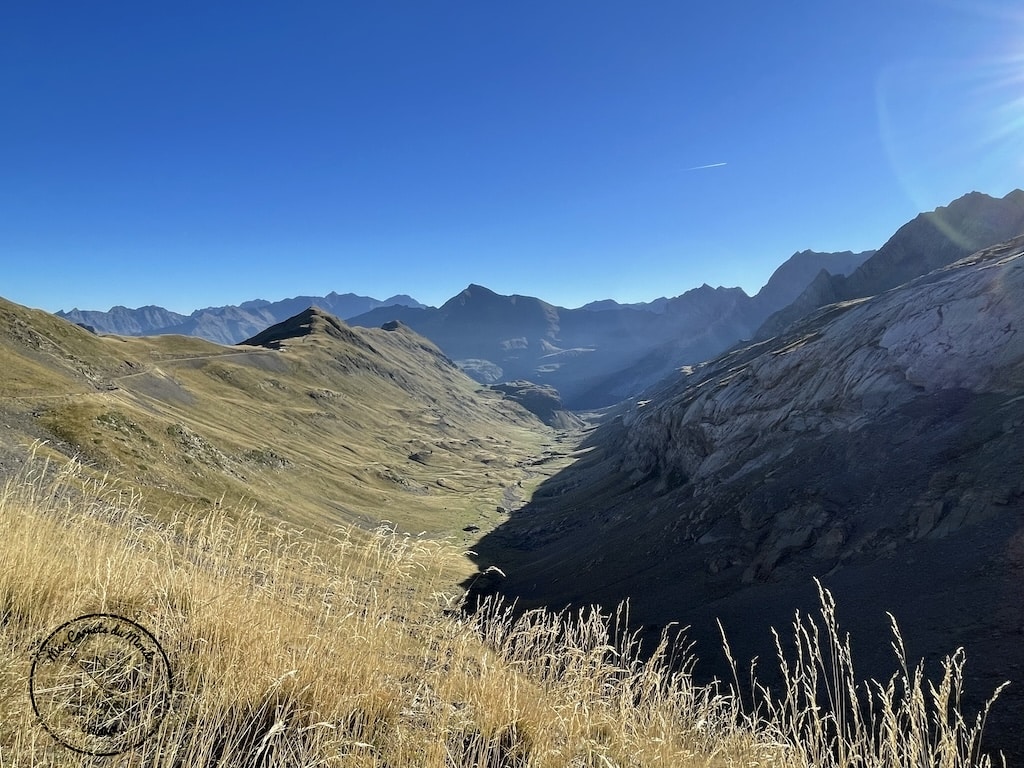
543	402
799	270
876	445
850	365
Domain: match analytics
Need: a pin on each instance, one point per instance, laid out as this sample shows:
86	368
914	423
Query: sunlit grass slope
321	425
290	650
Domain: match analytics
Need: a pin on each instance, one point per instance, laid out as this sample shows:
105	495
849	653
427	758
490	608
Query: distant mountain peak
476	291
402	299
312	321
604	305
479	296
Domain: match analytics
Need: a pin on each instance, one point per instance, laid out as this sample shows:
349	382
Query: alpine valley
860	421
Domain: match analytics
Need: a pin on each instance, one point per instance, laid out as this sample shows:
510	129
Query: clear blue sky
190	154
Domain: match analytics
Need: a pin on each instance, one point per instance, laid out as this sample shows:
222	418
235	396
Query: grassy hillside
290	650
322	426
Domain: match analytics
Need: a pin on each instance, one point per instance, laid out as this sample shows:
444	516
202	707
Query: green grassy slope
326	425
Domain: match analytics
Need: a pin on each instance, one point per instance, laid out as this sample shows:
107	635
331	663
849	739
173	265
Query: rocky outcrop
542	401
799	271
850	365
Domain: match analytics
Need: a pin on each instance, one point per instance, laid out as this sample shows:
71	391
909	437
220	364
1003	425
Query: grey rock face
799	270
125	321
852	364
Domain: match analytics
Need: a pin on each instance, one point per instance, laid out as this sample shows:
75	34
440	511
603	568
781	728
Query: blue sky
191	154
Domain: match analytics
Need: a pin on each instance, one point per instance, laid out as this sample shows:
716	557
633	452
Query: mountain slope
876	445
320	422
929	241
703	322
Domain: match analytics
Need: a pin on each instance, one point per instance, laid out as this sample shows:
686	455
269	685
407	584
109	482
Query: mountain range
593	356
929	241
603	352
224	325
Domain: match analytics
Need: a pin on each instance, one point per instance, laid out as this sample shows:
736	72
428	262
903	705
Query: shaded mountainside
876	445
708	321
224	325
320	423
602	305
800	270
929	241
595	357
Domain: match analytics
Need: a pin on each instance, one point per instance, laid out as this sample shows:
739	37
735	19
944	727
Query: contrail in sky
709	165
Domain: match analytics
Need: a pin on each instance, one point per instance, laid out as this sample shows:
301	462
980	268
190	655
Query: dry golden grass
348	650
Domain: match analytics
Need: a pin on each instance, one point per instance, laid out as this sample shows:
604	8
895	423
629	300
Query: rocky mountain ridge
955	330
594	355
927	242
602	354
